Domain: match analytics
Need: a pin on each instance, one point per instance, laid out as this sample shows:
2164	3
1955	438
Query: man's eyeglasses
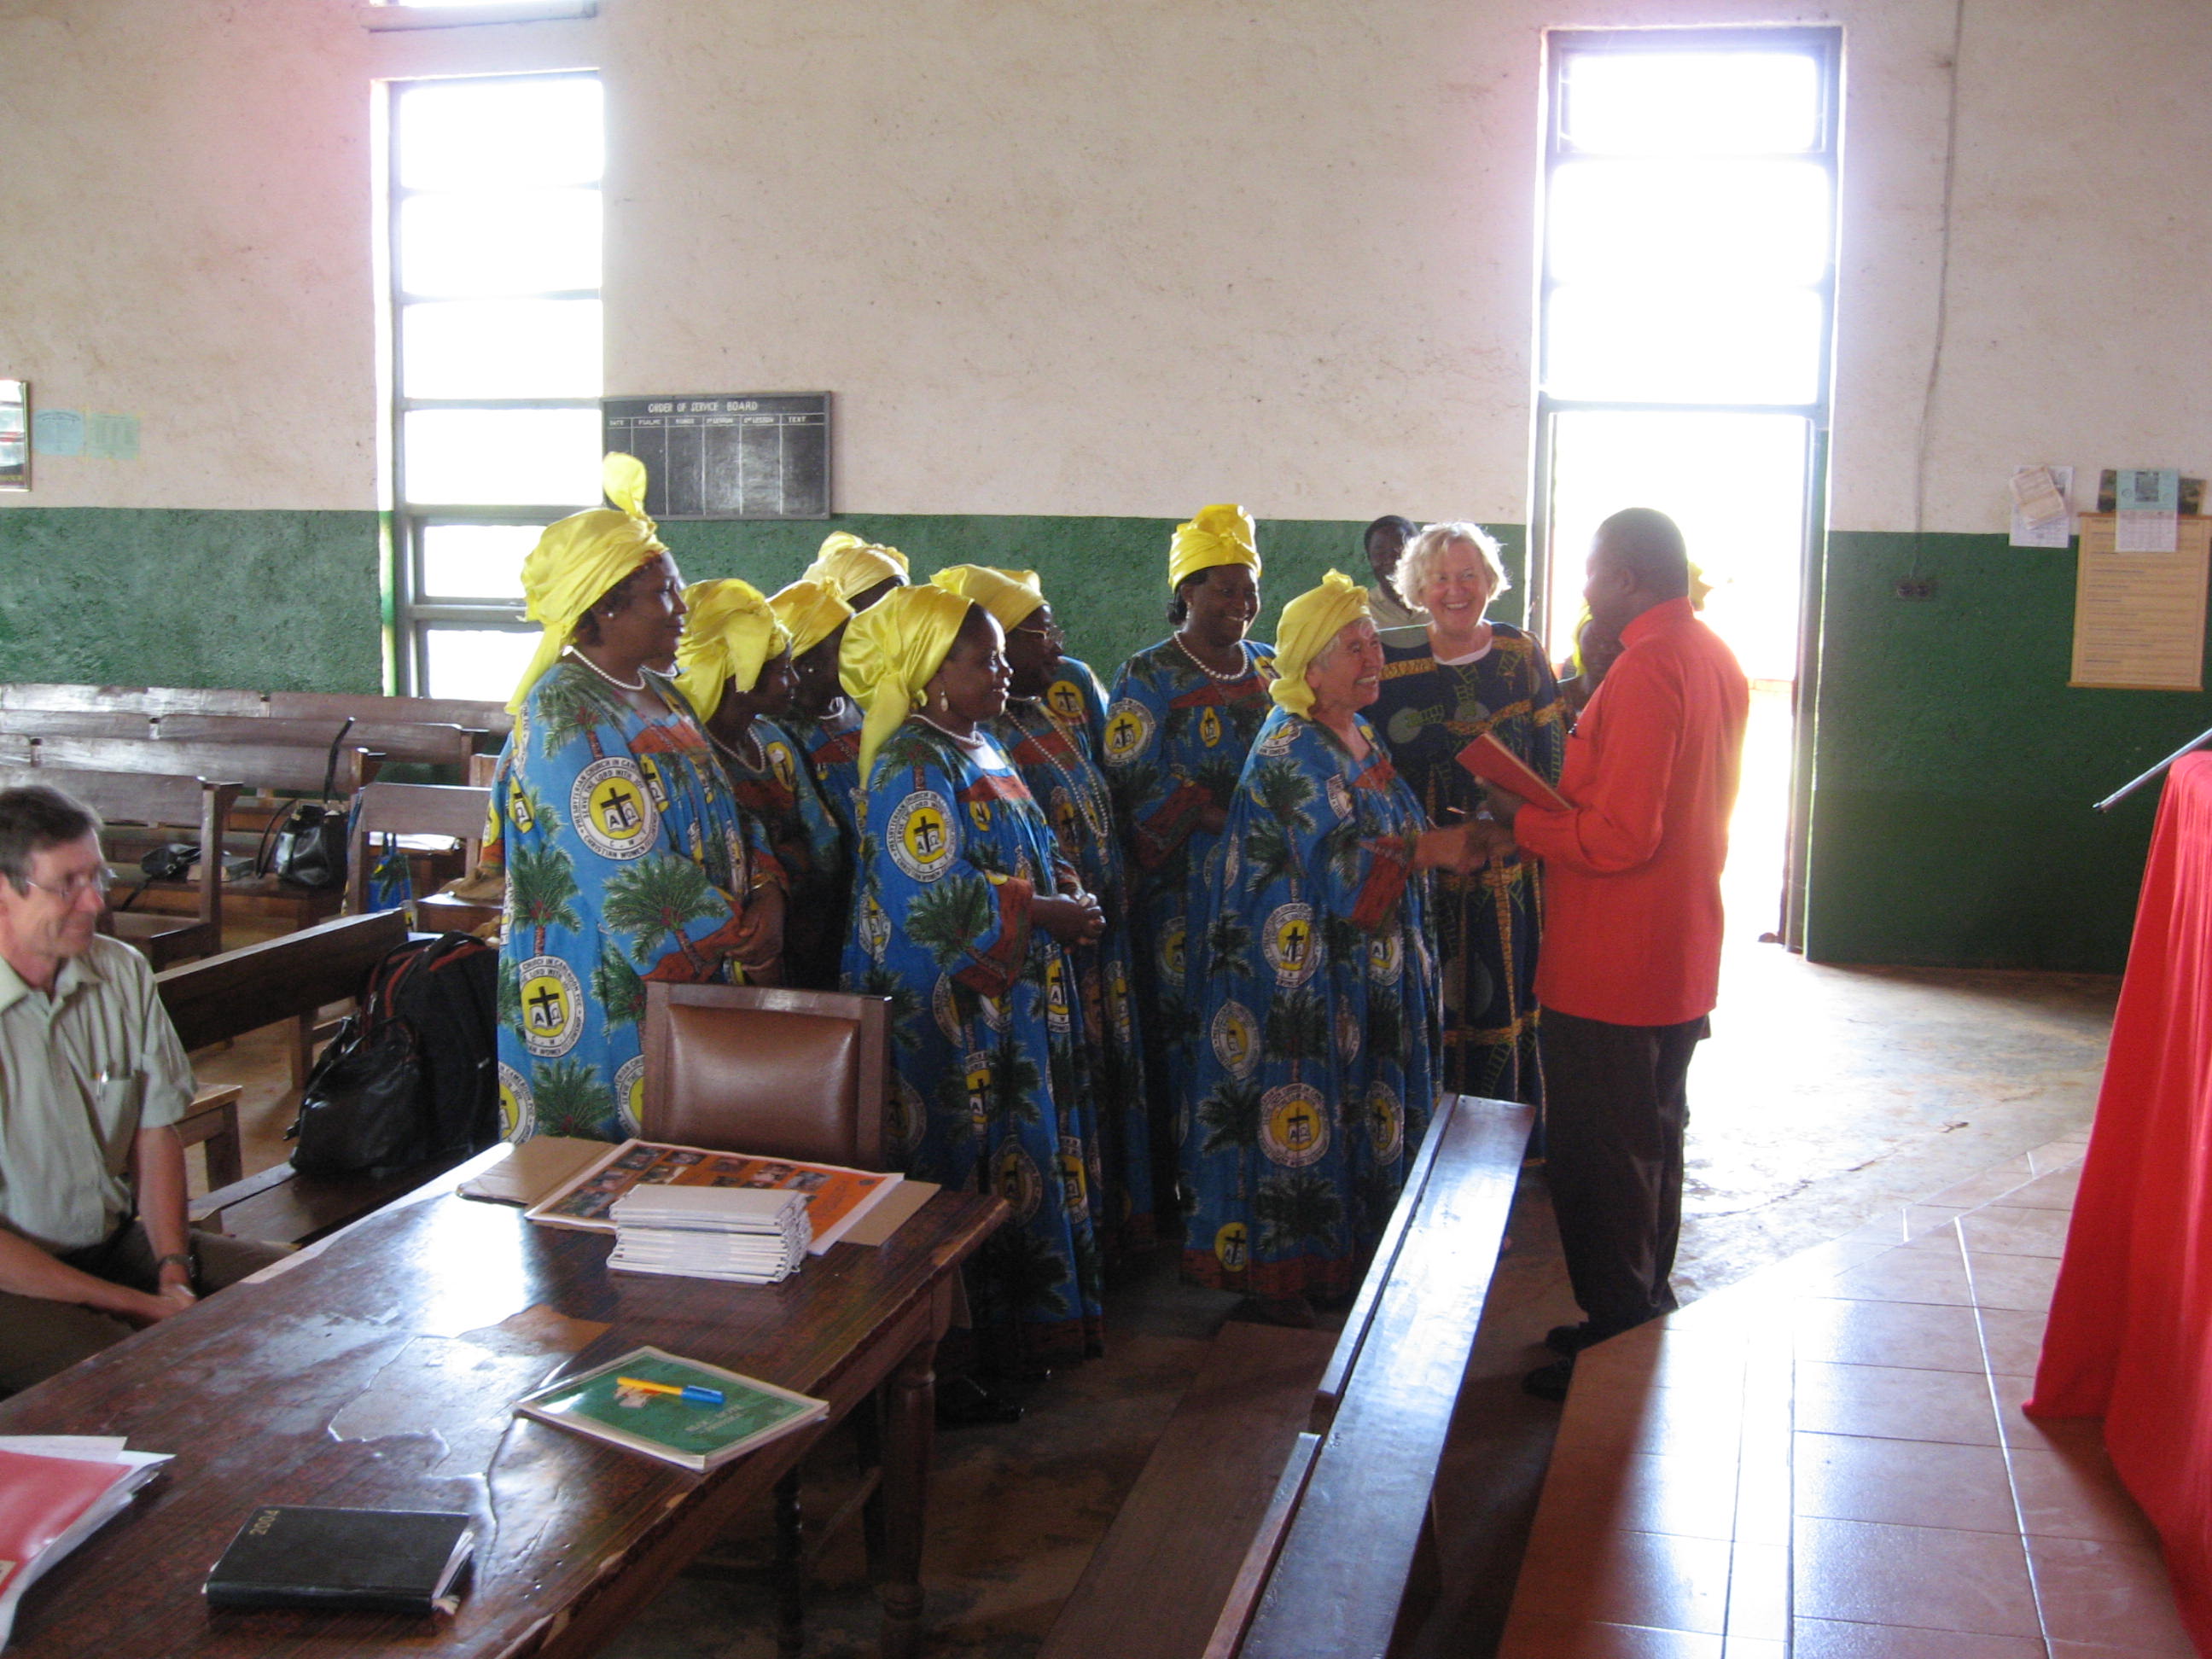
76	887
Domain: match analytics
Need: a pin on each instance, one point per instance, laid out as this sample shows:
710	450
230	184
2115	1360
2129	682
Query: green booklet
691	1430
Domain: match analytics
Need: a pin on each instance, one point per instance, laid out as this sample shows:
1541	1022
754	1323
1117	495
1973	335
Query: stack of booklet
747	1235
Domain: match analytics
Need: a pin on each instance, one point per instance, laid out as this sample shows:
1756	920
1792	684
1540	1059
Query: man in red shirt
1631	958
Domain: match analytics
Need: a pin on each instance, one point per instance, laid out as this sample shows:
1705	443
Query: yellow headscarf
1309	625
853	566
729	634
1010	595
1219	535
811	611
579	558
891	652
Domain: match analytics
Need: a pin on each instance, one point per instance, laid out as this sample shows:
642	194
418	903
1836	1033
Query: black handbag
309	847
361	1111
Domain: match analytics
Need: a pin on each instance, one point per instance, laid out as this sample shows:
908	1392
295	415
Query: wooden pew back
292	769
131	699
489	718
413	809
293	974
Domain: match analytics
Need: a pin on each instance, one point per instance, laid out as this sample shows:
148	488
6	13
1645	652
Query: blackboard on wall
741	455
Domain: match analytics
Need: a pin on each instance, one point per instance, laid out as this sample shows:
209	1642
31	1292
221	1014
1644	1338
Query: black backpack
413	1074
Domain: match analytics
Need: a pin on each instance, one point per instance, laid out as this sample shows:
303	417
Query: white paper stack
751	1235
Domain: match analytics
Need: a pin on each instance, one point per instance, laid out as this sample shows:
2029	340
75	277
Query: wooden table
379	1375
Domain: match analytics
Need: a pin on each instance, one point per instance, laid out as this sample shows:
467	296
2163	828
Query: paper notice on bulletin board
2139	617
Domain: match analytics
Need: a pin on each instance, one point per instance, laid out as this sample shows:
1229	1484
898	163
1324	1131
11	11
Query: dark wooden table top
380	1374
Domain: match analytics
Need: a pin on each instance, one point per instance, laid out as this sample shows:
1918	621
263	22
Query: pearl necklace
620	685
759	761
1080	790
1213	674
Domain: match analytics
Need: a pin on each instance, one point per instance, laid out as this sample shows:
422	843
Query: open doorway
1687	310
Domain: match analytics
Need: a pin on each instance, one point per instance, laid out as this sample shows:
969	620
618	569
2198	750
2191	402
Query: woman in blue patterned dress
1183	713
735	665
1316	1057
962	909
626	857
1054	712
1469	677
825	722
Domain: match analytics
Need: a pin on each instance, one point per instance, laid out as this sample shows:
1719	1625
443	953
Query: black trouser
1615	1110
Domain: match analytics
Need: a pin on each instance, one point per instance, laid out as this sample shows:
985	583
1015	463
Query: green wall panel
276	601
1107	578
1955	768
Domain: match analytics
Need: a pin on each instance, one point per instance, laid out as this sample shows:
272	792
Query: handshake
1462	848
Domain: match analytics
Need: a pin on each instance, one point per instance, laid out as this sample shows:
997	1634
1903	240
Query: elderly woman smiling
1472	676
1316	1070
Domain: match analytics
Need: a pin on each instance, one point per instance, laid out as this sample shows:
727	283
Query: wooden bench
489	718
212	1120
1286	1509
409	743
449	811
289	978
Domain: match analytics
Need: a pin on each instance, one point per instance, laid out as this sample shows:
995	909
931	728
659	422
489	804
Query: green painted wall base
1107	578
117	596
1954	766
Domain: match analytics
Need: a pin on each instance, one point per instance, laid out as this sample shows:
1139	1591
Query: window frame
416	613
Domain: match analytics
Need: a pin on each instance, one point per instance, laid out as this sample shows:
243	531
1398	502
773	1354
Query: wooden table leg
909	1437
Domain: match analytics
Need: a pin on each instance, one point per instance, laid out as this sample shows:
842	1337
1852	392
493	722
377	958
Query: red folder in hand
1493	763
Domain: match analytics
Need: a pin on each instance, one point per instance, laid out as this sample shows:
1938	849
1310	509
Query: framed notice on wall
15	434
728	455
2139	617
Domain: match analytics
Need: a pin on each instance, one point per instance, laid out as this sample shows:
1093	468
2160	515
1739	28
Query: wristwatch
182	1258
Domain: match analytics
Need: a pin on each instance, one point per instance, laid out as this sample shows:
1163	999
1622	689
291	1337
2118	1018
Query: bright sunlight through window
1688	284
495	232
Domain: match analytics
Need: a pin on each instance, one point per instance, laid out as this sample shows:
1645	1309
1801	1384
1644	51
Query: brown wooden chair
453	811
791	1075
755	1068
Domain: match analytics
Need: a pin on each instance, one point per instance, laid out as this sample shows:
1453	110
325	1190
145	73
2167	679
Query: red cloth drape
2130	1333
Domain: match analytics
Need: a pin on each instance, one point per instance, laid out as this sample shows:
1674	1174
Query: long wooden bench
1286	1509
289	978
409	743
489	718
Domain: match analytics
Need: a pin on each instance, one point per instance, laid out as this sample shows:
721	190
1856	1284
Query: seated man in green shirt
93	1240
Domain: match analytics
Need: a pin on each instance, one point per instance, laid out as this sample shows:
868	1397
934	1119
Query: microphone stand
2125	790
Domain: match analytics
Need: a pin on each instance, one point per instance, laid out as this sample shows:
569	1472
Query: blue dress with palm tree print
989	1088
626	859
1175	741
1315	1057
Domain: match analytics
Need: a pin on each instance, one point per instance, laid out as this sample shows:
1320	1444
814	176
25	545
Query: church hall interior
1069	272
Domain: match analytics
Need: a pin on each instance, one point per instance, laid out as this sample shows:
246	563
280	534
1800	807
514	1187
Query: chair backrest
412	808
753	1068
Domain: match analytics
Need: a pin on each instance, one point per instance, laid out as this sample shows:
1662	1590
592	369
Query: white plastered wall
1063	258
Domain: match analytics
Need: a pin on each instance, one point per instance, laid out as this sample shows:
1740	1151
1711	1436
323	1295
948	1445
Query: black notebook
374	1560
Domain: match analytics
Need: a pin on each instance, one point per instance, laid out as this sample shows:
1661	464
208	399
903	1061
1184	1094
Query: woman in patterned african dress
962	912
735	665
1317	1061
1055	712
1182	714
626	857
1471	677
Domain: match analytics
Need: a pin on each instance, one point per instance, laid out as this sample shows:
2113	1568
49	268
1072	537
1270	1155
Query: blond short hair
1421	553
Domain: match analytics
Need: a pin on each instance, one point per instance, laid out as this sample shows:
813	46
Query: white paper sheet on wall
2042	510
2146	503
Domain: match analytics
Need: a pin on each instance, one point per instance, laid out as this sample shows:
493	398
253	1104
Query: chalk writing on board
728	455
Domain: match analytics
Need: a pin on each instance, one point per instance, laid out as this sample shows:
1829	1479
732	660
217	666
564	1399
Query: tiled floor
1829	1460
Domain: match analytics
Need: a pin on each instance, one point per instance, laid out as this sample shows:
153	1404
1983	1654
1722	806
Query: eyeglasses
76	887
1050	631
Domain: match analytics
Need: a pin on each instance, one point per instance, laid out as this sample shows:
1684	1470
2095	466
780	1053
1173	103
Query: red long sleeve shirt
1632	873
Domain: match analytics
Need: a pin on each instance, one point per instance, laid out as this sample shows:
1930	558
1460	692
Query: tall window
496	330
1688	292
